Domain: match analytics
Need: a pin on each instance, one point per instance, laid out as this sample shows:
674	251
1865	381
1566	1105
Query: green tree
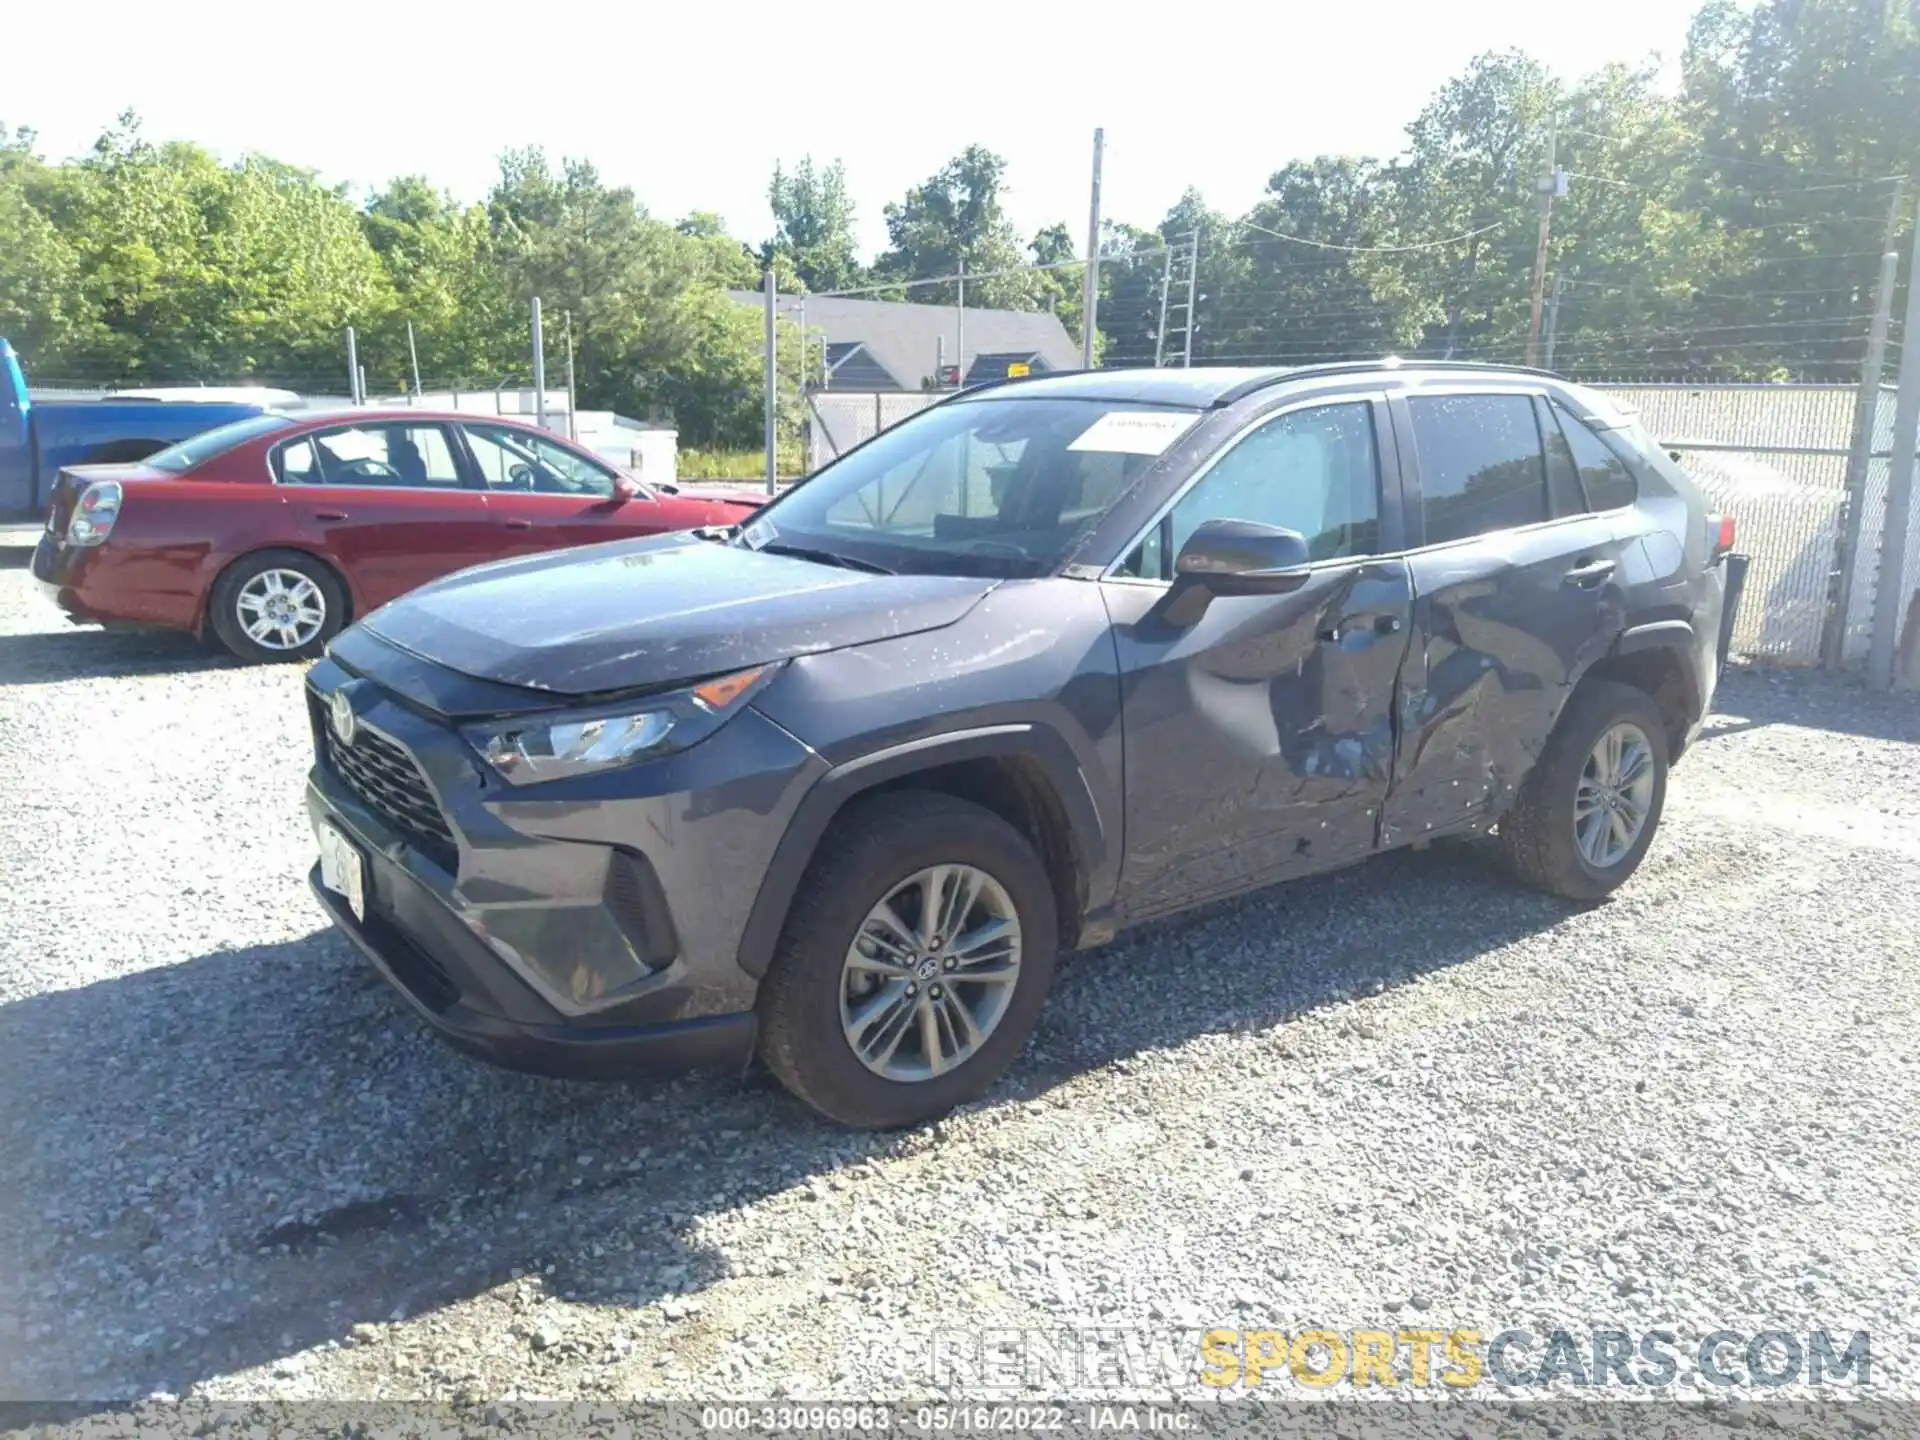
956	218
813	220
41	309
653	326
1468	180
448	282
1059	280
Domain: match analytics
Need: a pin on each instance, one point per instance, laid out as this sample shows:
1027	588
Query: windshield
1001	487
217	441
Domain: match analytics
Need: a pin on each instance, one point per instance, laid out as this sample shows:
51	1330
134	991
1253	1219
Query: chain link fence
1772	456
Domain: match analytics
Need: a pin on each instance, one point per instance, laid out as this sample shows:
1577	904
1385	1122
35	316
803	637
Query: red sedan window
515	459
372	454
217	441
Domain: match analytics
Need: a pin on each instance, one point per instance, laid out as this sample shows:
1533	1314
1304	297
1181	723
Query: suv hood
655	611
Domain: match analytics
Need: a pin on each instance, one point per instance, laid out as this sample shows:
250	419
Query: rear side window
1564	495
1609	484
177	459
387	456
1481	464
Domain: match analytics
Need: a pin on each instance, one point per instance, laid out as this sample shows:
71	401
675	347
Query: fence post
353	367
1866	411
1889	591
771	293
960	323
539	368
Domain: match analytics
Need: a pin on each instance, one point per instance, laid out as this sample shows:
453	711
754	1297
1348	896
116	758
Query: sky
692	104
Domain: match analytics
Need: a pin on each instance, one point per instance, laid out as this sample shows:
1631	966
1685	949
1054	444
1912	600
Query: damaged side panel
1505	624
1259	739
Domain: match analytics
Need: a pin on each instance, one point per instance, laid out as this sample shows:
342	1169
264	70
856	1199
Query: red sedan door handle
329	516
519	524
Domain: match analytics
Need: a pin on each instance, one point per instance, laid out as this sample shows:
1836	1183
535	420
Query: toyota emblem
345	722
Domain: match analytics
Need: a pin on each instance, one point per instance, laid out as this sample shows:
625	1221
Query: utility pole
413	359
772	436
1166	285
1889	593
1866	411
960	325
573	429
806	357
1549	185
1553	315
539	368
353	367
1090	295
1193	275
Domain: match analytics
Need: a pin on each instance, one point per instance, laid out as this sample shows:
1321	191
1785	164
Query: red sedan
277	530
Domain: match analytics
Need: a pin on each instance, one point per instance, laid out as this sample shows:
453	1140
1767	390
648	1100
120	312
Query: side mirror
1243	557
625	487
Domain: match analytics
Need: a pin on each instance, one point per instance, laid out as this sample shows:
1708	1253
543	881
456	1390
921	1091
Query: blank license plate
343	869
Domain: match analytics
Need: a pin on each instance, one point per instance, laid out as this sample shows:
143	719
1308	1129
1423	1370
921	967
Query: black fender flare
1677	636
1679	640
1087	833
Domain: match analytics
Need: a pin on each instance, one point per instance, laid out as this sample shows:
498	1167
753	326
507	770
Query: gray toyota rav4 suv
1048	659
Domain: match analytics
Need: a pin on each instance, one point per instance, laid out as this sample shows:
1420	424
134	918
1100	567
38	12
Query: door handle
1589	572
519	524
1378	625
329	516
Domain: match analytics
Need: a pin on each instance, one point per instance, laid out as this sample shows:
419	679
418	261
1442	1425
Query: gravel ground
235	1167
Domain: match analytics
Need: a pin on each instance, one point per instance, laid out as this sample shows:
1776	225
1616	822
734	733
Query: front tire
277	605
913	964
1587	811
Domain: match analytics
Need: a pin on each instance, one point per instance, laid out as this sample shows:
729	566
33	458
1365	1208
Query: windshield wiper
823	557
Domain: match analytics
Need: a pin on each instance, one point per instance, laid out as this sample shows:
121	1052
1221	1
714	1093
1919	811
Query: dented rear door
1516	590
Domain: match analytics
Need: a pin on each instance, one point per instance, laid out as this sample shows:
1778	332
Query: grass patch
736	464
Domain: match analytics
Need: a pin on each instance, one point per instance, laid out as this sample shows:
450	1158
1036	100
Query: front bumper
443	988
581	928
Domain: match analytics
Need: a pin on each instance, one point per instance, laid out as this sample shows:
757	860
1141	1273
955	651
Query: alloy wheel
930	973
1614	796
281	609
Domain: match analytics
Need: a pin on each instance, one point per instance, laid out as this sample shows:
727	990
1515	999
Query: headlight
583	742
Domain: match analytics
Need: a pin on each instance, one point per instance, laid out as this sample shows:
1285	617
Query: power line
1734	159
1378	249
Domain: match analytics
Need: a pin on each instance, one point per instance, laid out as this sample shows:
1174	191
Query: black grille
424	977
384	775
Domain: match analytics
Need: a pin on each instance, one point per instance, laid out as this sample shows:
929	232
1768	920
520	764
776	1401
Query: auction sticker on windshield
1134	432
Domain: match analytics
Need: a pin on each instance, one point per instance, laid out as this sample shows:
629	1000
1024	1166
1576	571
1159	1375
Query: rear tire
1589	855
277	605
812	998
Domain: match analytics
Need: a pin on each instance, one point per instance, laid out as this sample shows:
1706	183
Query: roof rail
1352	367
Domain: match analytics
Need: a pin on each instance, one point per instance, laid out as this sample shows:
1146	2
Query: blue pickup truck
38	438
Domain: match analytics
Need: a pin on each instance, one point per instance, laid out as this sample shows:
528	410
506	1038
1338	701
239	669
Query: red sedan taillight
93	517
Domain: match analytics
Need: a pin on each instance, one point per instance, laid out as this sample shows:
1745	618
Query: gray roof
990	366
904	338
